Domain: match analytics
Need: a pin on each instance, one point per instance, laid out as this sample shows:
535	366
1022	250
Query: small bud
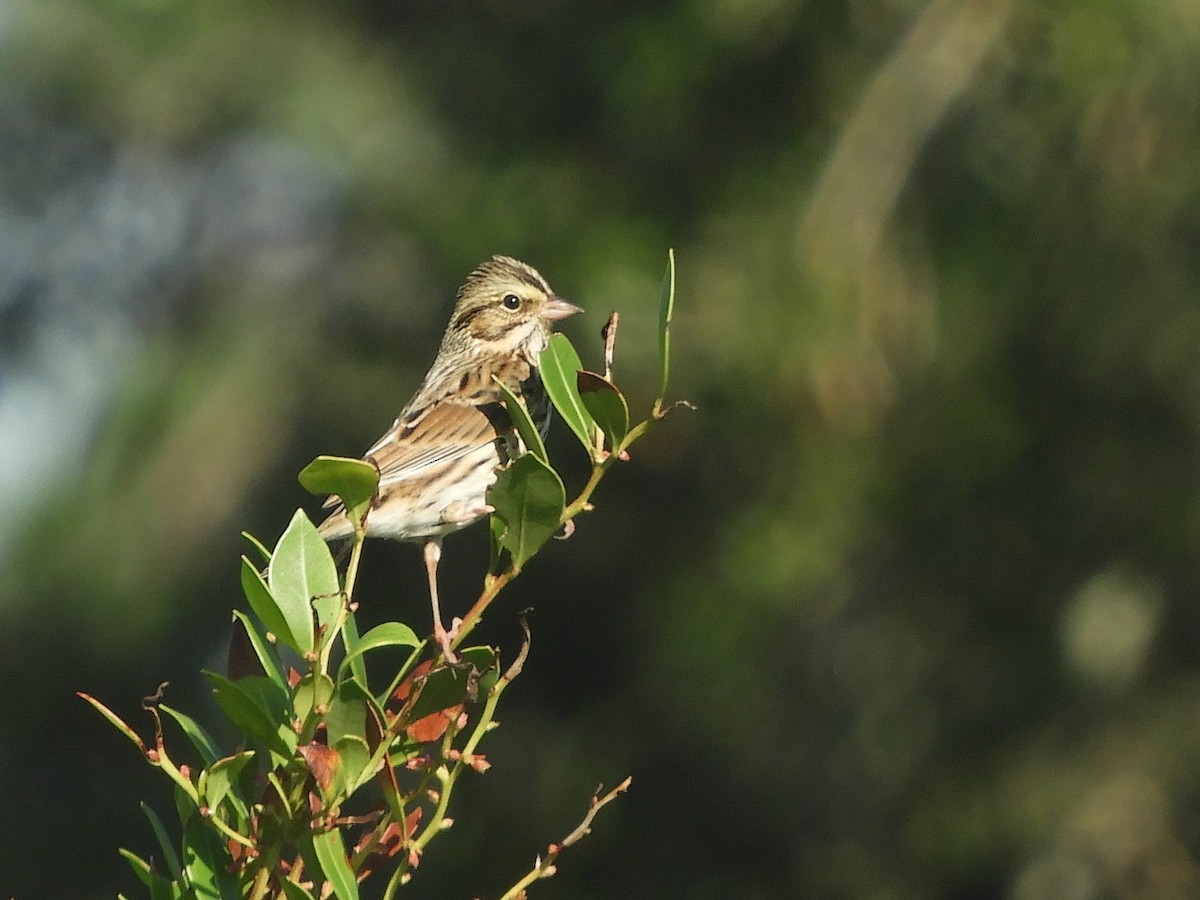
479	762
186	771
445	824
152	755
205	812
550	870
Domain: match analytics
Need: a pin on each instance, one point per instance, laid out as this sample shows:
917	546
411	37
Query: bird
442	453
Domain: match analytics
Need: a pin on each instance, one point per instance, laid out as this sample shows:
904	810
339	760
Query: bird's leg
433	553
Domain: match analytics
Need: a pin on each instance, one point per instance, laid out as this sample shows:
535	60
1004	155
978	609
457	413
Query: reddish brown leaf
434	725
323	762
406	686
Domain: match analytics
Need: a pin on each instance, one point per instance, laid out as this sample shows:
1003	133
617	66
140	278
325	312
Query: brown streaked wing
438	435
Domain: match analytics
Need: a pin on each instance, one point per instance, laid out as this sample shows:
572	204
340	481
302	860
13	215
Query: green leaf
259	546
529	497
666	309
355	755
350	641
204	744
311	691
331	854
329	610
607	406
301	569
170	857
293	891
558	366
159	887
524	424
265	653
352	480
347	713
162	889
207	862
260	709
389	634
219	779
140	867
258	595
495	533
116	720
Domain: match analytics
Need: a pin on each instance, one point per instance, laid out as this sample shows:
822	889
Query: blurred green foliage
905	610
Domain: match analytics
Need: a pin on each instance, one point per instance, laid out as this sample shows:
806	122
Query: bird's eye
511	301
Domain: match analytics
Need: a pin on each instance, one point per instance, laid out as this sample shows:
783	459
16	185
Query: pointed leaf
258	545
666	309
517	411
558	366
352	480
170	857
116	720
331	854
607	406
140	867
259	708
258	595
389	634
301	569
200	739
265	653
159	887
529	497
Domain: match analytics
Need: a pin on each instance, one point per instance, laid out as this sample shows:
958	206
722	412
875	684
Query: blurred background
906	609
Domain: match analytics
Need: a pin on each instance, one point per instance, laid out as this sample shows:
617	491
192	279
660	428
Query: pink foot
445	639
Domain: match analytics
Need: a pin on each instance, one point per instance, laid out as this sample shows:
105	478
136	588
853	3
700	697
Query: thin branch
546	867
494	586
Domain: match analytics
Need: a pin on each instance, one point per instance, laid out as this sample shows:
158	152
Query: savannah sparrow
439	458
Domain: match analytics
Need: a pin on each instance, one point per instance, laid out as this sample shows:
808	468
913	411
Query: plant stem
491	589
261	880
545	866
352	566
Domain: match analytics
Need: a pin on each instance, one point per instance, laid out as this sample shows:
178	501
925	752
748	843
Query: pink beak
557	308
